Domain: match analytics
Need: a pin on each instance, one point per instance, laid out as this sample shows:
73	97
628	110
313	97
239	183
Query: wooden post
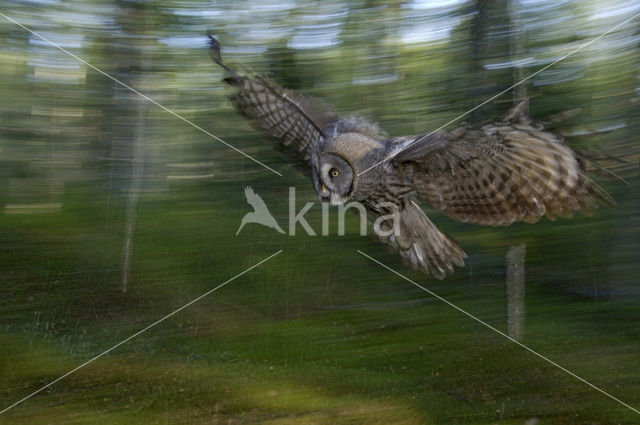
515	291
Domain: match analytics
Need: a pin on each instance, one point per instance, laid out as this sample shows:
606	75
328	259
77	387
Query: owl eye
334	173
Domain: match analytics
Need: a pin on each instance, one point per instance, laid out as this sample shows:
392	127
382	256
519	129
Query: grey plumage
495	175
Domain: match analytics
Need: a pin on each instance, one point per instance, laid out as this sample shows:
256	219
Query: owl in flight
494	175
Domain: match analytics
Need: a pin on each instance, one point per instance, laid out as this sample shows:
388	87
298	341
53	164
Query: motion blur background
114	213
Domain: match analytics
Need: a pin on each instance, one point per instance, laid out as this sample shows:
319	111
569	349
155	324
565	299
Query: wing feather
297	122
280	114
421	244
500	174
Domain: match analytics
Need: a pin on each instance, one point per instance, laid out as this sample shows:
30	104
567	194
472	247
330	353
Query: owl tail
422	245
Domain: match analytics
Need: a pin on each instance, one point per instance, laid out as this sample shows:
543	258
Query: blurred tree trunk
128	143
135	186
515	257
517	47
490	34
371	57
623	265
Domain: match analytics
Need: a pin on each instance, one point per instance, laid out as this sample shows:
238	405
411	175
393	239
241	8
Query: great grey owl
493	175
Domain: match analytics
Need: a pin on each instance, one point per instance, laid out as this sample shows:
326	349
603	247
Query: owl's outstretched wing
281	114
499	174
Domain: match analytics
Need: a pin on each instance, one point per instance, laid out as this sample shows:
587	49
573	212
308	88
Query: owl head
335	167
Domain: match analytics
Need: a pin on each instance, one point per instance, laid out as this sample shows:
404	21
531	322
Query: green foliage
319	334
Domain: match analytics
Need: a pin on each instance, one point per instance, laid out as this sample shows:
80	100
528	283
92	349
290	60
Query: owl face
332	178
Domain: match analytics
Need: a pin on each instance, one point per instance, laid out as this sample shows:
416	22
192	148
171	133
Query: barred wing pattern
500	174
279	113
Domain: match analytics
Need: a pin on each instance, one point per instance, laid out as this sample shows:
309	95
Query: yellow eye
334	173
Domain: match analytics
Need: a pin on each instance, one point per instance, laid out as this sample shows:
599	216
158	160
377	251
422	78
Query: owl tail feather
423	246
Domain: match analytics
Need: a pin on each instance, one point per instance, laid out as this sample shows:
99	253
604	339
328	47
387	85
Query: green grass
318	335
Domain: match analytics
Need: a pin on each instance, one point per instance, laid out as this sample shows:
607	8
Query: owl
494	175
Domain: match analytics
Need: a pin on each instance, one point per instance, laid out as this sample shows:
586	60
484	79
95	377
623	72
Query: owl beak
325	195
